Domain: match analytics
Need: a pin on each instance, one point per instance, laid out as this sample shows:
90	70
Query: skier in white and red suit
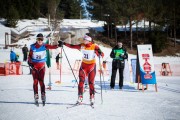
88	65
37	60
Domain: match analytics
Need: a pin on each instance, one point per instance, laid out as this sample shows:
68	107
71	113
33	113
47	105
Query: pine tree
12	17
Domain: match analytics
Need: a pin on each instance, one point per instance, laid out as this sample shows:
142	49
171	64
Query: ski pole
60	66
103	81
74	84
70	65
100	79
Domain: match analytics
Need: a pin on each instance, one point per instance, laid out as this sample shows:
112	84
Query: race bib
88	54
39	55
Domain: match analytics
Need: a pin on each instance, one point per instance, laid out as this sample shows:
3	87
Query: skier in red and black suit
88	65
36	60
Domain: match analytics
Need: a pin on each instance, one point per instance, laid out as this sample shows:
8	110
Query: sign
146	64
133	65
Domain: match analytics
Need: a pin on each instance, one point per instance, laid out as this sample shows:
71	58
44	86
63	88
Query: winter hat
119	41
40	36
88	38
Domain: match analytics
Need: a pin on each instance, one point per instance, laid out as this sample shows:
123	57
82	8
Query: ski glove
100	53
30	65
60	43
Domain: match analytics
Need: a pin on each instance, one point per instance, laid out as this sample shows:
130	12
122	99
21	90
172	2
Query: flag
48	56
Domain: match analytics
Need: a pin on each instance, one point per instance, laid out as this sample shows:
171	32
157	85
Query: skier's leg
35	84
41	82
81	83
35	78
91	77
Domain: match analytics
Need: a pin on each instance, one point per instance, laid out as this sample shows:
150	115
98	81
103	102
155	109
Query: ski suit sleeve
51	46
73	46
98	51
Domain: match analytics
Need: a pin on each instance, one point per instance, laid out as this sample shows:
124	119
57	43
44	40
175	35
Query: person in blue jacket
13	56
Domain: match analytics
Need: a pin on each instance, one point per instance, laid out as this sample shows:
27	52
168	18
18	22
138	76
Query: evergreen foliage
12	17
165	13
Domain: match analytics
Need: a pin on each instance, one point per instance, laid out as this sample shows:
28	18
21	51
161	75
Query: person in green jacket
118	54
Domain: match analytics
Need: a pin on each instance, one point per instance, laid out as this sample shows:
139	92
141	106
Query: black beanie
119	41
39	35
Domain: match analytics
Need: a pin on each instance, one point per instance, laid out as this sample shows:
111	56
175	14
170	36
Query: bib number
86	56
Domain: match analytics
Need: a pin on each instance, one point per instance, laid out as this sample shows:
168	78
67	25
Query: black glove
60	43
30	65
99	51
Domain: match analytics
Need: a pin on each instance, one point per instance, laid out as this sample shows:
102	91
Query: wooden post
146	86
138	81
156	88
142	88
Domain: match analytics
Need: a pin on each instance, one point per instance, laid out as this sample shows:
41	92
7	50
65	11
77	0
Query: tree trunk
108	29
130	20
137	30
149	31
115	33
125	33
111	30
174	28
144	30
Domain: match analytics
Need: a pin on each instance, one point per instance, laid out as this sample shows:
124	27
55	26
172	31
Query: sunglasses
39	39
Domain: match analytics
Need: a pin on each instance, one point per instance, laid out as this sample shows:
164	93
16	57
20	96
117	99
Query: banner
146	64
133	65
48	61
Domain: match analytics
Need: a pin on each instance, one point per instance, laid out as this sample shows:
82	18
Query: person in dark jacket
118	54
25	52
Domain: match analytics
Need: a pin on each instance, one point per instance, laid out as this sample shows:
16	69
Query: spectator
118	54
25	52
13	56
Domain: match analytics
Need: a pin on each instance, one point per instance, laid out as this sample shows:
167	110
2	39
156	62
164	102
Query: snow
17	102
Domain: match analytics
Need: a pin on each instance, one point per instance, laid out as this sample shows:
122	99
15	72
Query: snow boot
43	98
36	97
92	100
80	99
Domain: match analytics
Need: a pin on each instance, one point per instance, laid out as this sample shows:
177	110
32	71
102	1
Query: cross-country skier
88	65
118	54
36	60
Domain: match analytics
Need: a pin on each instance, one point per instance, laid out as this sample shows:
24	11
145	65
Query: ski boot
92	100
36	97
80	99
43	98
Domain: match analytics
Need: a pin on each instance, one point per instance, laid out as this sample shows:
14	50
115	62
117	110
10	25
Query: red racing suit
38	65
88	65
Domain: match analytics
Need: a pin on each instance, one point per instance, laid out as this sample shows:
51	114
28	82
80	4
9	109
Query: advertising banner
146	64
133	65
